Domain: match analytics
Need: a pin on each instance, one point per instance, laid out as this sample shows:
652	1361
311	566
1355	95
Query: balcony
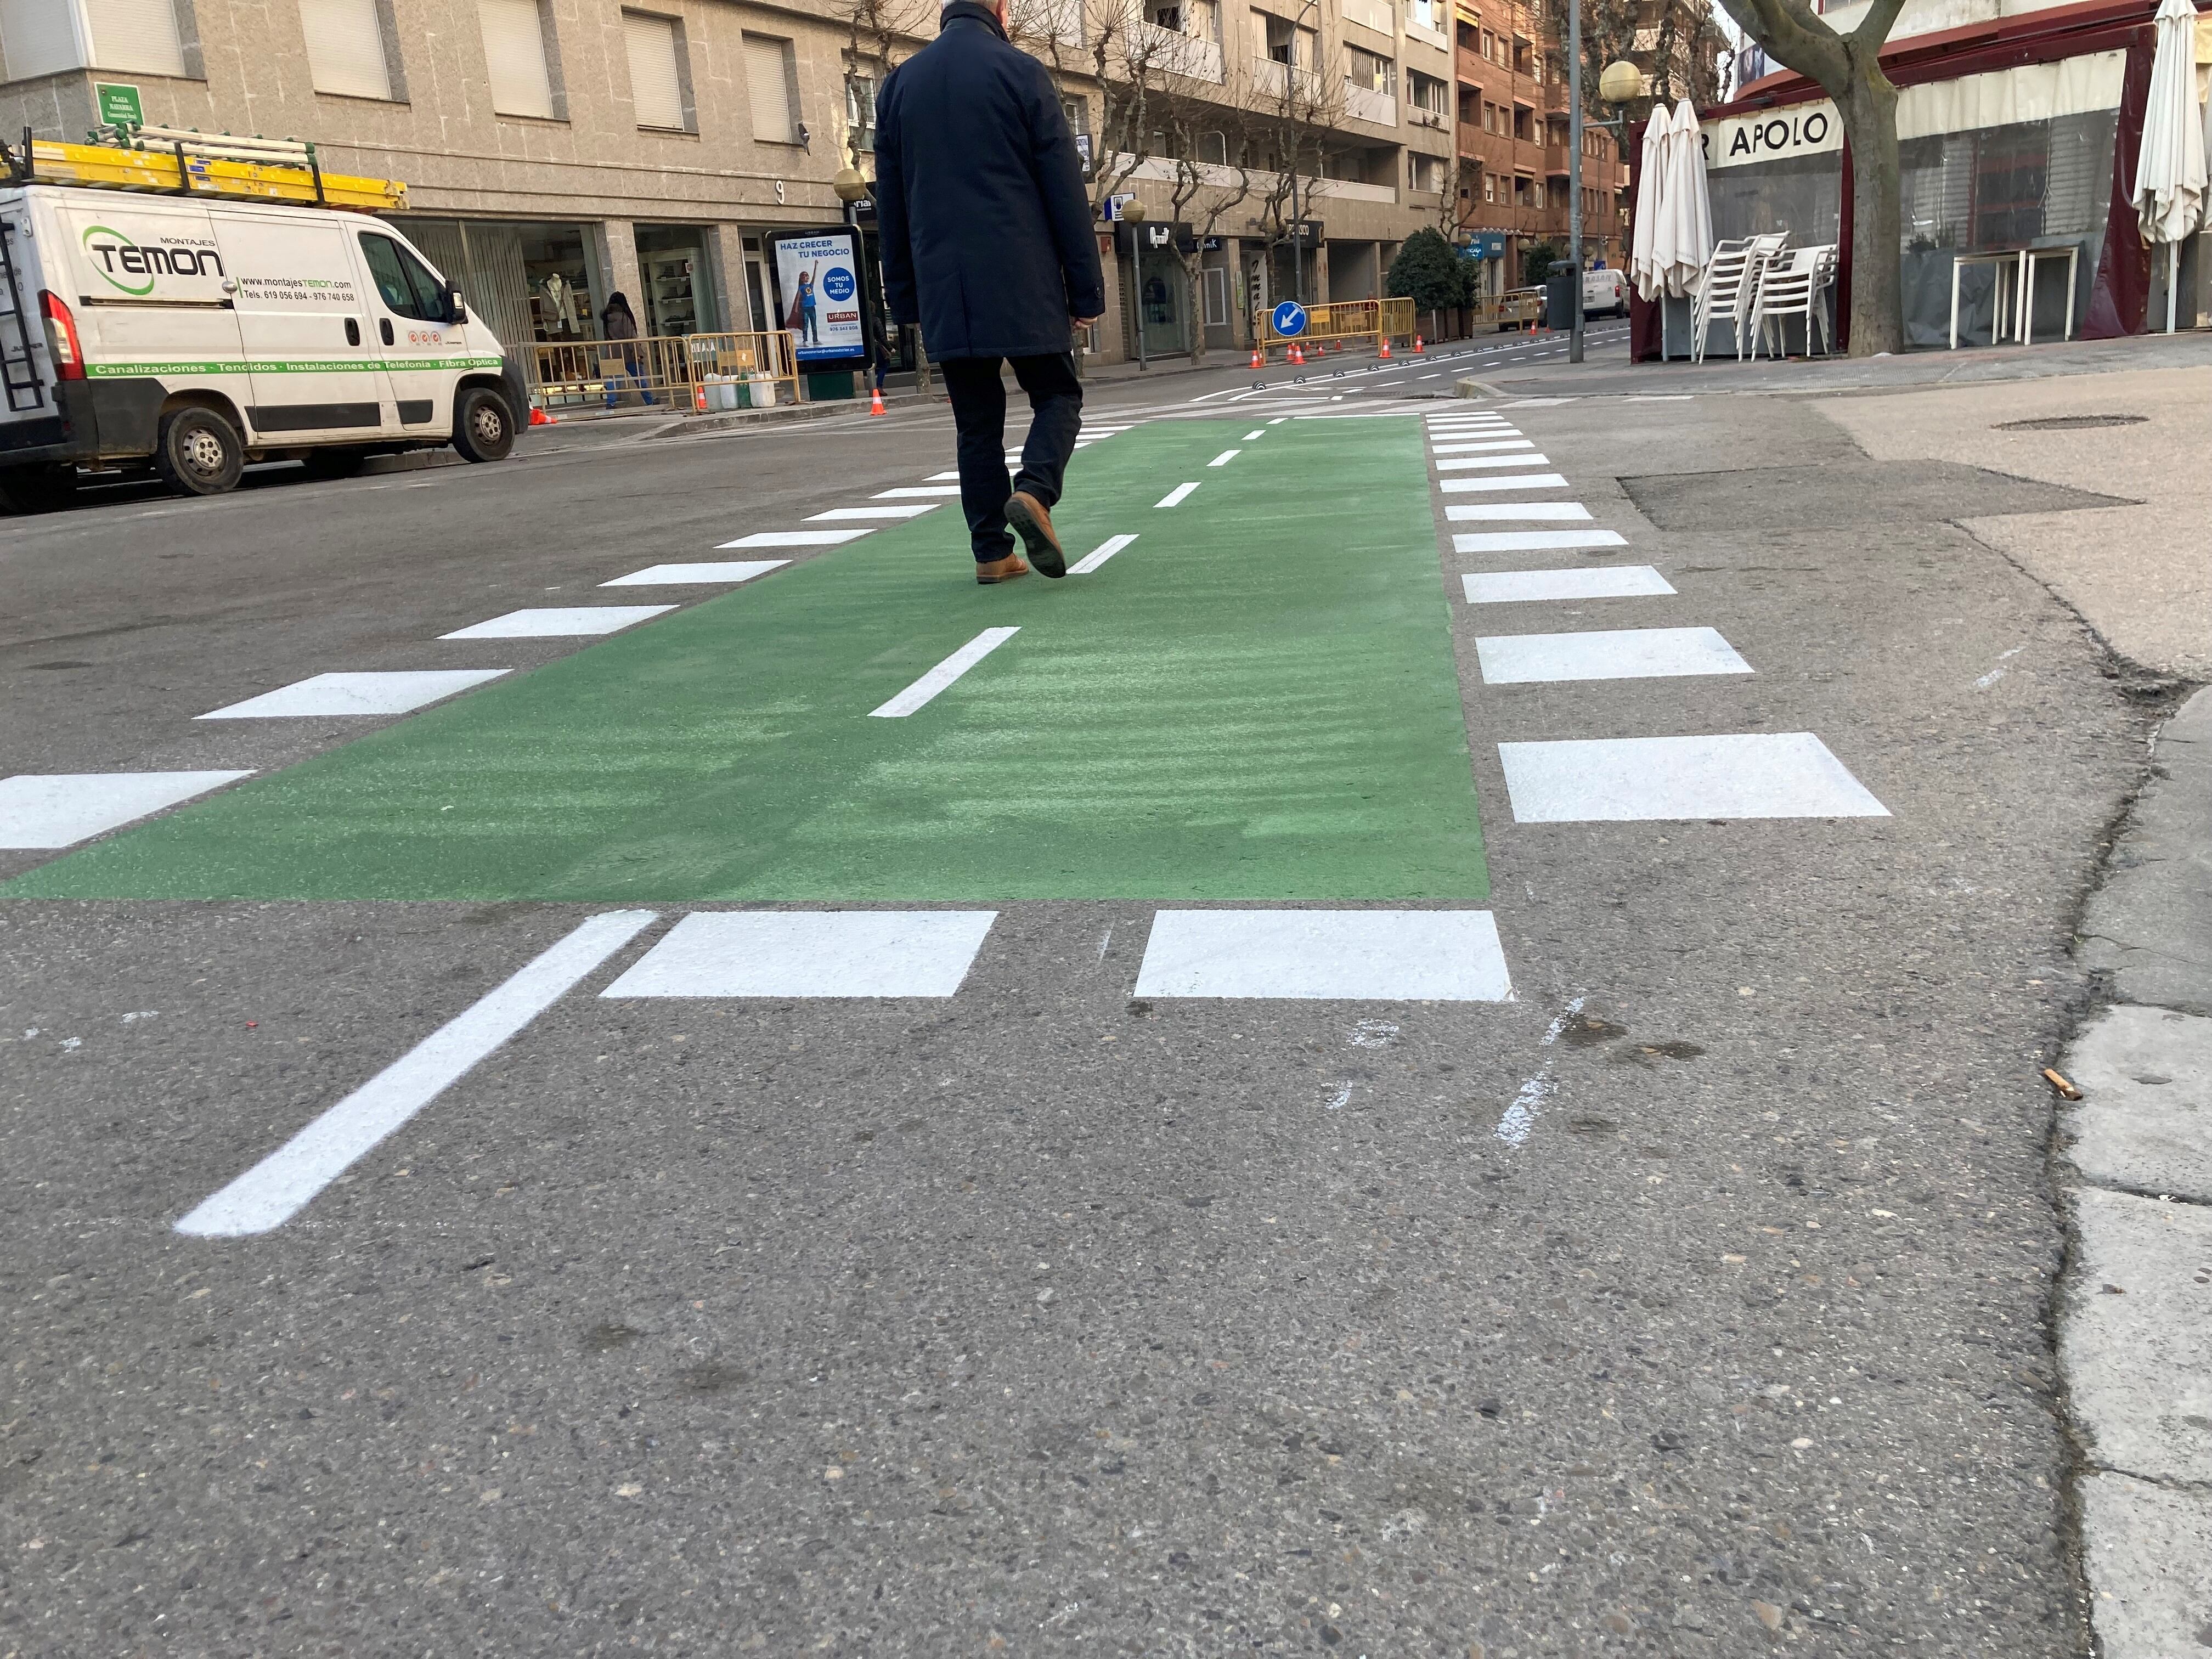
1375	15
1365	104
1555	161
1171	53
1435	120
1277	82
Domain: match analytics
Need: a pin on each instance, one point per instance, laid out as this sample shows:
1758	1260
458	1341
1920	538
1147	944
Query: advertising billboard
818	295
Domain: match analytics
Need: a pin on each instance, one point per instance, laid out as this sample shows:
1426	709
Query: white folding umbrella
2169	177
1650	194
1689	238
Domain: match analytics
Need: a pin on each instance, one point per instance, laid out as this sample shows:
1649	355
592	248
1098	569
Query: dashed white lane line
1517	481
1461	464
276	1189
810	953
838	513
1535	541
1343	954
943	477
919	695
1766	774
1482	446
559	623
1225	457
685	575
794	538
39	812
1254	437
1177	497
1612	653
1505	512
1519	586
1279	420
1098	556
333	694
912	492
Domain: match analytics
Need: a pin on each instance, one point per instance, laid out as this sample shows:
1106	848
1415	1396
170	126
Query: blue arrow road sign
1289	318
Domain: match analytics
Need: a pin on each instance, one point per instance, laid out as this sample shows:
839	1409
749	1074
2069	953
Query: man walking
988	243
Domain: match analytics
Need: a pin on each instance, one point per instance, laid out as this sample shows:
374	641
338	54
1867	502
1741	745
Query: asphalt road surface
1295	1102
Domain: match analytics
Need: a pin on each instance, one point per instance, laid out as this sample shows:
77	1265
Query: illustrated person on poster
801	321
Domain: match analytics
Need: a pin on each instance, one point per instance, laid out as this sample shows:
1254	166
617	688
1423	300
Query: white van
1605	293
198	333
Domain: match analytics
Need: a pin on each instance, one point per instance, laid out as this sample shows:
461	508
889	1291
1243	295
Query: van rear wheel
484	426
200	453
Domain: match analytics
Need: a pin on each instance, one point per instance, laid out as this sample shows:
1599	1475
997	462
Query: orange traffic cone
1297	355
1384	354
539	417
1417	345
1258	362
876	401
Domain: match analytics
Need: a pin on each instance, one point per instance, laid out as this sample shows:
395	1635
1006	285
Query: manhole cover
2072	422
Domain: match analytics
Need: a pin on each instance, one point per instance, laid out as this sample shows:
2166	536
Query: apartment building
1286	148
1513	144
557	151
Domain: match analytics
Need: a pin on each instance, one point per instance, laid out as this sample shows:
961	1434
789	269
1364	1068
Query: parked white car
199	333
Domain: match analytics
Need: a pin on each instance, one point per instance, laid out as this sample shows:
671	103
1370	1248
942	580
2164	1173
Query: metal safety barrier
688	373
1341	319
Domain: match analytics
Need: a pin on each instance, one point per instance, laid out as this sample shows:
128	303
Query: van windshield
406	283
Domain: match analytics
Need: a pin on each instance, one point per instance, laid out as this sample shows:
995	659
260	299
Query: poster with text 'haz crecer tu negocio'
818	280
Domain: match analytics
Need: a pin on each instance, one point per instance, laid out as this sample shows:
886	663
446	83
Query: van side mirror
455	310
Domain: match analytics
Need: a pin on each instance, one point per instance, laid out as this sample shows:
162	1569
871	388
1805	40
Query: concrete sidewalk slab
2148	1547
2150	925
2145	1121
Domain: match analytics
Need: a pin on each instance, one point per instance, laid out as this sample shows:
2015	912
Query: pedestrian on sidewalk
988	243
618	322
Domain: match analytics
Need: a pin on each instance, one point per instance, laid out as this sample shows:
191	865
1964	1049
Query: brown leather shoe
1026	517
1001	570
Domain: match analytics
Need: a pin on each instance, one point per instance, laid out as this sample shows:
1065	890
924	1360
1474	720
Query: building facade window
1426	172
1369	72
350	48
658	74
137	37
771	85
861	112
1427	92
518	57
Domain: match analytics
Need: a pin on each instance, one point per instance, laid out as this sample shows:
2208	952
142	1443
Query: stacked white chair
1796	286
1731	288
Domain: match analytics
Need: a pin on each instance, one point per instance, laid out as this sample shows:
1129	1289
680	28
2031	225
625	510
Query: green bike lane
1254	699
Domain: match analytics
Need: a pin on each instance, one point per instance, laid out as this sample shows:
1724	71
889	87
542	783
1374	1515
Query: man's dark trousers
979	415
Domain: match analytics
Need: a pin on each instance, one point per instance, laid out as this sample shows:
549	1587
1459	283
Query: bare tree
1293	107
1848	68
1209	143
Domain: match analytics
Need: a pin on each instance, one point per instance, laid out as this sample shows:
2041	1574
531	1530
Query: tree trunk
1869	108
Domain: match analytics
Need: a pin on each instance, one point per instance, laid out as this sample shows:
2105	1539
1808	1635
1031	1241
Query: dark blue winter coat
987	233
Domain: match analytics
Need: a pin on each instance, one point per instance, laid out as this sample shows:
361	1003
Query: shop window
1217	297
351	48
660	81
861	112
771	87
518	57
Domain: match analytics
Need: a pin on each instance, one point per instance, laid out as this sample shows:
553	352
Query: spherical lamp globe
1621	82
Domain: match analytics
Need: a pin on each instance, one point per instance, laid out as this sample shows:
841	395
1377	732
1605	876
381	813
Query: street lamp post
1575	175
1132	211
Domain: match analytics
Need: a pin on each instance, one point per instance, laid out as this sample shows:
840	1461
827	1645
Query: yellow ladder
194	164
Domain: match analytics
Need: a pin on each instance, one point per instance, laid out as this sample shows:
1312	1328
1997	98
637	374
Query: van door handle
383	328
353	331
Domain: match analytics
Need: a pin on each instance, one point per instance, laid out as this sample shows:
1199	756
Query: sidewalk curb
2135	1310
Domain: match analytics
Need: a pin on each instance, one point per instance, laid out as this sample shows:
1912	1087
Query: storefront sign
1485	245
817	295
1773	135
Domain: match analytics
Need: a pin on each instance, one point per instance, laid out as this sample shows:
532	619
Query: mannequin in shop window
560	305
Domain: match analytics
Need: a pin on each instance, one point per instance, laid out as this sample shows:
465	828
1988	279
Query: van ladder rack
175	161
26	391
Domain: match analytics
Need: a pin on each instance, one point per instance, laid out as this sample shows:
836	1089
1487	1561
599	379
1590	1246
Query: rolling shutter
37	38
515	53
768	84
136	36
655	87
345	47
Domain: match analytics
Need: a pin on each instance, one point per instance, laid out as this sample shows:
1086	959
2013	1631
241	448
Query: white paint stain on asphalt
1998	673
1520	1116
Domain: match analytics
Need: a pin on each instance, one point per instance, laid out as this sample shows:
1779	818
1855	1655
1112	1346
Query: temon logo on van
118	258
